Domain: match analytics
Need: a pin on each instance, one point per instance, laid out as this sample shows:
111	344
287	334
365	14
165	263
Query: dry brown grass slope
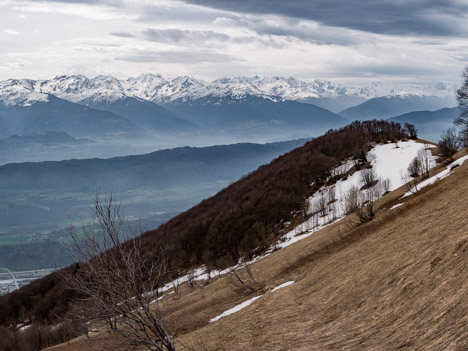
399	282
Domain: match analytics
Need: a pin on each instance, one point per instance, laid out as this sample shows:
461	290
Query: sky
346	41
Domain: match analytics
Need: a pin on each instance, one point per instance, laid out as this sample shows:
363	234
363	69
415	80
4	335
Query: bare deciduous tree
243	277
117	282
462	99
449	143
415	168
411	130
351	200
368	178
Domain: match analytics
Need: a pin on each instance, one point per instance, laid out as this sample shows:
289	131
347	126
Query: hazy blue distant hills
430	124
336	103
64	116
254	114
156	169
145	114
389	106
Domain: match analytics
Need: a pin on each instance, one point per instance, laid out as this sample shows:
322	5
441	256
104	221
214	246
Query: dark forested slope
244	217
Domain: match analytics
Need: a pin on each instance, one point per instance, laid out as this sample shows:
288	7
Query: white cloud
128	37
10	32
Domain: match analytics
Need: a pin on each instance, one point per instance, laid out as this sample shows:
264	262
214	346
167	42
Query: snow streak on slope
445	173
247	303
235	309
388	162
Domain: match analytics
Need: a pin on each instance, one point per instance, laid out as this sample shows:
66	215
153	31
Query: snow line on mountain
107	89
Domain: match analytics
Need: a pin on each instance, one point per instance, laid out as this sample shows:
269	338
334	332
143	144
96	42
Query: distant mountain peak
16	92
156	88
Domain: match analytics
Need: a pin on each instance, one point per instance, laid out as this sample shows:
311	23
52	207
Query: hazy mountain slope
389	106
430	124
252	114
60	115
107	93
159	169
145	114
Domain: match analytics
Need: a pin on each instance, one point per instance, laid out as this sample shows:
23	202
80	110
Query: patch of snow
441	175
235	309
388	162
283	285
22	329
395	206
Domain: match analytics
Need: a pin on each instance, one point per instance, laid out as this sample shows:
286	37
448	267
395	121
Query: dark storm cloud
316	35
404	17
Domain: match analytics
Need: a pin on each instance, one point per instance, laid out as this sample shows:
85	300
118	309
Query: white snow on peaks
19	93
102	89
154	87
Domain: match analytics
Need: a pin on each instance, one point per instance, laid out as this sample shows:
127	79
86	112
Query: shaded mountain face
389	106
253	114
145	114
63	116
107	93
430	124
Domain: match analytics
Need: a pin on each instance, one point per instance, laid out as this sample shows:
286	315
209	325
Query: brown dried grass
397	282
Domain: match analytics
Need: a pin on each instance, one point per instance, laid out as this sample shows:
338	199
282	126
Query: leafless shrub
386	184
117	283
351	200
365	208
320	205
411	130
331	195
191	278
411	183
449	143
245	279
371	157
368	178
415	167
425	158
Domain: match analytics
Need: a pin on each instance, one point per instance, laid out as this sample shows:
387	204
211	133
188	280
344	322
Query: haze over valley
233	175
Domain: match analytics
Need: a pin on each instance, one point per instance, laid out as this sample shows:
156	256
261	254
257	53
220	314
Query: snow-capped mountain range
156	88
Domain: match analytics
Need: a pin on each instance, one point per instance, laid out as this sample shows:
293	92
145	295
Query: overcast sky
347	41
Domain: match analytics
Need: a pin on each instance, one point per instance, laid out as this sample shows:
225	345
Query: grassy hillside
396	283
